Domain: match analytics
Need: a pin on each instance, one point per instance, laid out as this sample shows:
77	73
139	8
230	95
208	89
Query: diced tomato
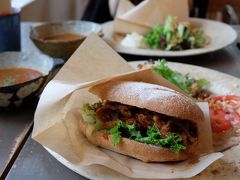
224	112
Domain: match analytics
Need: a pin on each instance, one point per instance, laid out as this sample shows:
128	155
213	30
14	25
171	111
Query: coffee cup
10	33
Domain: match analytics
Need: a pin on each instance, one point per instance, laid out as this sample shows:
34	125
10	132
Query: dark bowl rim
39	39
55	41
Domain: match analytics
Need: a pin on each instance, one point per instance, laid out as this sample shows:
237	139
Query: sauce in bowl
64	37
12	76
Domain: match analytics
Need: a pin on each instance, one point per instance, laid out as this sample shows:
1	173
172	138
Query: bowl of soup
61	39
23	77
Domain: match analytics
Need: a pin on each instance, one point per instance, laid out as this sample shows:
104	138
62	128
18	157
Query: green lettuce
184	82
174	35
89	114
153	136
89	110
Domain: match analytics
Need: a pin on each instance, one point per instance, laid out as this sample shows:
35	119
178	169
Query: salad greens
185	82
153	136
89	114
174	35
89	111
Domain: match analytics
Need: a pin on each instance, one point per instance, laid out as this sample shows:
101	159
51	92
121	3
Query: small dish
61	39
14	94
220	36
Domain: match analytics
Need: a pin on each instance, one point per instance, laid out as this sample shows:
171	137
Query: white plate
226	167
220	35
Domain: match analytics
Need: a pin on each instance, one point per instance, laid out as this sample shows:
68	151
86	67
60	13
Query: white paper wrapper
19	4
149	13
57	115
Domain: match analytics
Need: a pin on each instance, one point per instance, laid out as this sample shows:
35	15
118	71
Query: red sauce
12	76
64	37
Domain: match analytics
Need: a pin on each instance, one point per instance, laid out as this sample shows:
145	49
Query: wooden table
22	158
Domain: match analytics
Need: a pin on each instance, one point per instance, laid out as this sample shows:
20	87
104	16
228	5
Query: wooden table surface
14	128
33	161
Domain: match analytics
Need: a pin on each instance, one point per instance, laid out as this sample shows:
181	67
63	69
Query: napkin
19	4
57	115
149	13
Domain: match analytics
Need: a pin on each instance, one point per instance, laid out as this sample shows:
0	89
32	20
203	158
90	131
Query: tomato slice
224	112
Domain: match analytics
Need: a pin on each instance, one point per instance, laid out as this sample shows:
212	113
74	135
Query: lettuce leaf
153	136
184	82
153	37
89	110
121	127
175	35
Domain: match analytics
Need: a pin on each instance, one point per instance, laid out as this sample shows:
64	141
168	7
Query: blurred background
98	11
54	10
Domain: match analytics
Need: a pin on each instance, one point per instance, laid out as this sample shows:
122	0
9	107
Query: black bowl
13	96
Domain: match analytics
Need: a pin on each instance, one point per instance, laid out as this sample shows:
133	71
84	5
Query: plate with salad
194	80
220	91
173	38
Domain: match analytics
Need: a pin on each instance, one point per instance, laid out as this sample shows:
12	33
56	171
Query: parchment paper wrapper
57	115
149	13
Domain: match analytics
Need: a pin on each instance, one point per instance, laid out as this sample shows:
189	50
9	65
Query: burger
145	121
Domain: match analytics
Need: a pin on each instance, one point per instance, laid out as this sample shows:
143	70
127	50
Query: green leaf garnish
184	82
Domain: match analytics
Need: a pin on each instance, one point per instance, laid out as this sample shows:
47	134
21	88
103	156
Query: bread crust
150	96
141	151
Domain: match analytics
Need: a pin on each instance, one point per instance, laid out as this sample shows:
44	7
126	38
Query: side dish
192	86
12	76
172	35
225	113
224	109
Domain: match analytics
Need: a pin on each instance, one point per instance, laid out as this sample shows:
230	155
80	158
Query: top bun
151	97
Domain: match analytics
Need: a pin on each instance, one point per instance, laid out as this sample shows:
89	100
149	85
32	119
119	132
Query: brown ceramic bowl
42	35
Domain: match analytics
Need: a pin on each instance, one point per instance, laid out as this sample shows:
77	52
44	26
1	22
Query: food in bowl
13	76
64	37
23	75
171	36
61	39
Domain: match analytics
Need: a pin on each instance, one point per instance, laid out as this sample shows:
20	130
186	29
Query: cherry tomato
224	112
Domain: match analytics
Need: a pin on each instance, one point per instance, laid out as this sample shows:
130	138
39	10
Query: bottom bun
141	151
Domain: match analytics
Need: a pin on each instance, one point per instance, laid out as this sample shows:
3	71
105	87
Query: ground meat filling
108	112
